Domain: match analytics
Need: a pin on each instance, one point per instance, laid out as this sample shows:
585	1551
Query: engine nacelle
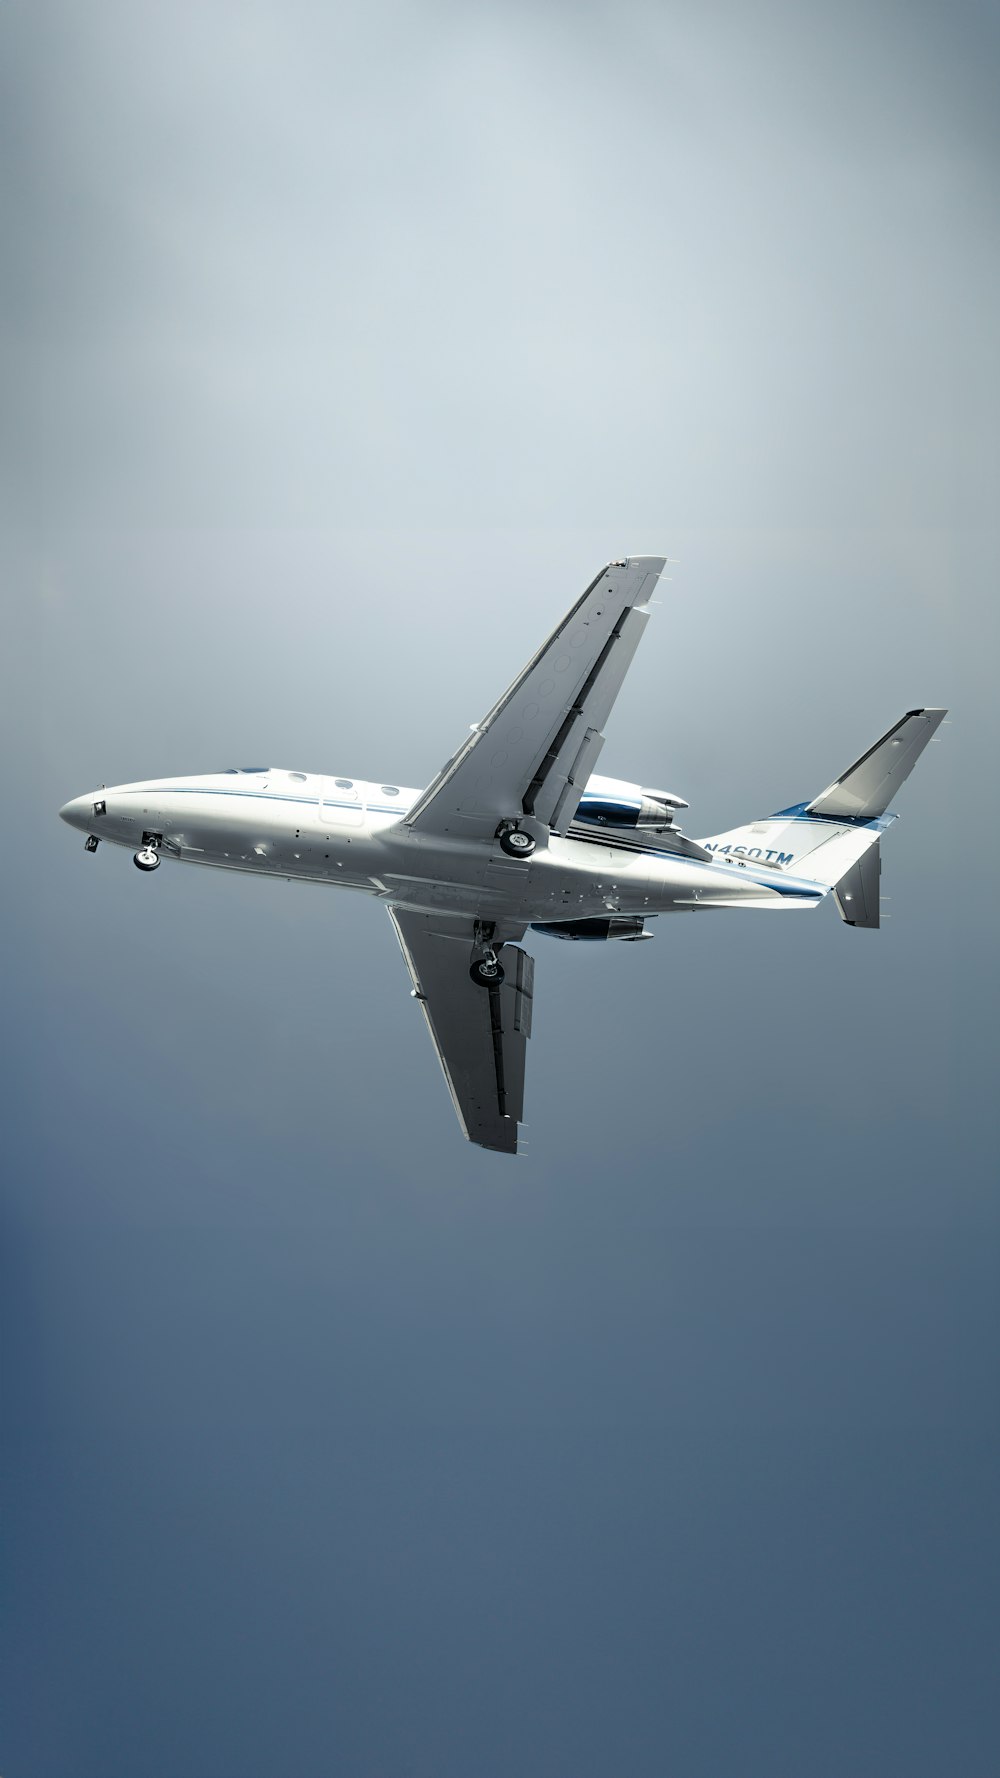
627	926
610	802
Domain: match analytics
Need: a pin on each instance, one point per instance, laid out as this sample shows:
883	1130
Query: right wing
480	1034
532	755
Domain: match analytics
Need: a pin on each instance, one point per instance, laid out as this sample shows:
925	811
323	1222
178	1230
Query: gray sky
339	352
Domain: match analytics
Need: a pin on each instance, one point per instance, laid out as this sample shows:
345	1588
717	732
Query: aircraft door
341	804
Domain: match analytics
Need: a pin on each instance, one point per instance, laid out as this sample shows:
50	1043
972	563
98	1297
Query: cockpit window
254	771
300	777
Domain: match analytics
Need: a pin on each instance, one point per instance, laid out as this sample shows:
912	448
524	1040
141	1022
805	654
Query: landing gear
148	855
91	843
515	842
486	972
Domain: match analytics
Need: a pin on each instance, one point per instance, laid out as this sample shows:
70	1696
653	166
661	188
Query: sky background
340	349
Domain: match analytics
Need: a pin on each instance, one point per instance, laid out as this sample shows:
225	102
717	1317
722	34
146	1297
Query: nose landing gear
148	855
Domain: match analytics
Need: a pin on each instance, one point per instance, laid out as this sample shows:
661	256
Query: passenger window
390	790
344	783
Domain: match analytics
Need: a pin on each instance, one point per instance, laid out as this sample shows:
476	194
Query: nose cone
80	812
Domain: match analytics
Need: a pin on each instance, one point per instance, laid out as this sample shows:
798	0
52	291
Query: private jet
517	832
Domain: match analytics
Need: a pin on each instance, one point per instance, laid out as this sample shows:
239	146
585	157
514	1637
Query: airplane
517	831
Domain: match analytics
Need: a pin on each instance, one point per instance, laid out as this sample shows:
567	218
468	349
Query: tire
516	843
147	859
486	974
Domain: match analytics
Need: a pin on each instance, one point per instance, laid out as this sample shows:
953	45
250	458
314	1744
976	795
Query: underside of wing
480	1033
530	758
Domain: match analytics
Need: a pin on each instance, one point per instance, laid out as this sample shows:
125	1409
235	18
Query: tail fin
834	840
856	893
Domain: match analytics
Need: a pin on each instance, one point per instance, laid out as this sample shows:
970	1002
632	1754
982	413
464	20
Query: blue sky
341	349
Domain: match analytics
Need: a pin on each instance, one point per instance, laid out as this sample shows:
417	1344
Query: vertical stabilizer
856	894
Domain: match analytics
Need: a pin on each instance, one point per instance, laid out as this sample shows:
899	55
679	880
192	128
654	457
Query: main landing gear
514	841
148	855
487	972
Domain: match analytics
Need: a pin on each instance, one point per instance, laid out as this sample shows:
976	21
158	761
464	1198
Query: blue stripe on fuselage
258	796
803	887
800	812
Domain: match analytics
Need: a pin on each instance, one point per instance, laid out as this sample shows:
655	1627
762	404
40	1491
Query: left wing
480	1034
532	755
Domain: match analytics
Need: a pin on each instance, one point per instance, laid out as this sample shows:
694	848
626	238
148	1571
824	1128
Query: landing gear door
341	804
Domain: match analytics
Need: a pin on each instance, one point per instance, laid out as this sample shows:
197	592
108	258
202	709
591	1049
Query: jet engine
627	926
610	802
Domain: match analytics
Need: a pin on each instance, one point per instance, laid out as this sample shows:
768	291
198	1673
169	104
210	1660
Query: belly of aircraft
565	880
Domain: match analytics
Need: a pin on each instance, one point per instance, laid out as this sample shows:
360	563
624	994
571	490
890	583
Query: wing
532	755
480	1034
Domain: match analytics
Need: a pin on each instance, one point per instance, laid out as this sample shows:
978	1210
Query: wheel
486	973
516	843
147	859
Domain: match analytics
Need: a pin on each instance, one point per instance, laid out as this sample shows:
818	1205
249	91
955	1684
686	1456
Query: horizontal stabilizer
857	894
868	786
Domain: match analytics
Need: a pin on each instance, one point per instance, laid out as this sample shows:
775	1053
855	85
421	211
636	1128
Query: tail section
856	894
834	840
868	786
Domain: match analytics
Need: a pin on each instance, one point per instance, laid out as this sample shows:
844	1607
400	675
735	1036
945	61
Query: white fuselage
518	830
313	828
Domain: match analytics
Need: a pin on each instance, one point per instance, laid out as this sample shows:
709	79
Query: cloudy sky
340	348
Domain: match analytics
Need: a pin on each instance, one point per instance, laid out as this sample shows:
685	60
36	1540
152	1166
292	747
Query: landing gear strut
515	842
486	972
148	855
486	969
